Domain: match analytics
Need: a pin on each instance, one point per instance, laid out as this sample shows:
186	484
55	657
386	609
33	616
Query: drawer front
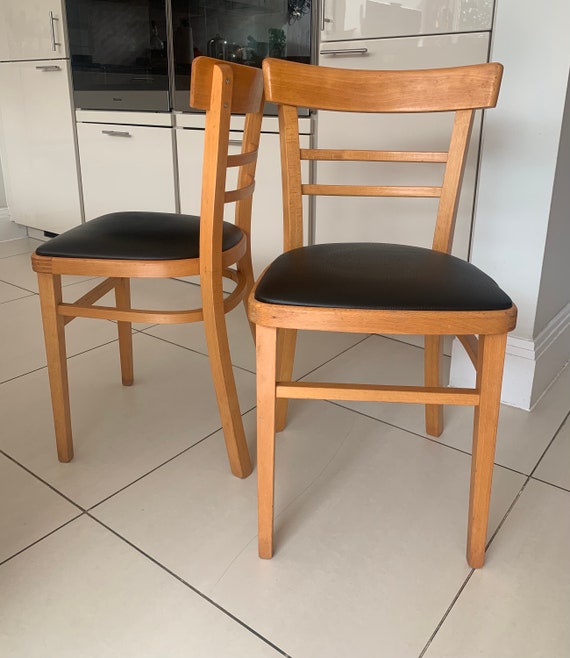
126	168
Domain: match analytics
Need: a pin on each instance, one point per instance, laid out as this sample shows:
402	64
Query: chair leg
490	363
433	352
266	348
223	377
287	340
123	302
54	336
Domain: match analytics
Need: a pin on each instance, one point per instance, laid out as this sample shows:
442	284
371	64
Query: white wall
521	233
520	149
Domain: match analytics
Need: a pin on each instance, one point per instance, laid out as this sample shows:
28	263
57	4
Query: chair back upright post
222	91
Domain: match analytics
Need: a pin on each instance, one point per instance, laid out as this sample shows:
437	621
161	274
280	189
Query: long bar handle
52	20
235	142
345	51
117	133
48	68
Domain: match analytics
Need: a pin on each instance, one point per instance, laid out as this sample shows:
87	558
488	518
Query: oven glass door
119	54
243	31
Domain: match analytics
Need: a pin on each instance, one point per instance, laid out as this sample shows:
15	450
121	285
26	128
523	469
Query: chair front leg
125	329
433	352
266	356
287	341
54	337
223	377
490	361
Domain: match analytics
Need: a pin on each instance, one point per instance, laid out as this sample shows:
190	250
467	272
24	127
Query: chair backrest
223	89
461	90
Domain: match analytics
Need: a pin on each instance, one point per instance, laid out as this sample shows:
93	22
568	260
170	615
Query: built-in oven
137	54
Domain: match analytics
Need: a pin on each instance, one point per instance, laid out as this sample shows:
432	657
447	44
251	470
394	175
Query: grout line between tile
551	484
191	587
41	539
421	436
446	614
47	484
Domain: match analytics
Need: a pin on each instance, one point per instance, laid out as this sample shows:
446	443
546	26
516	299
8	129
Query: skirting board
531	366
8	229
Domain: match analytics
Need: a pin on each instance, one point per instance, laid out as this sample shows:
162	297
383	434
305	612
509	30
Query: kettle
217	47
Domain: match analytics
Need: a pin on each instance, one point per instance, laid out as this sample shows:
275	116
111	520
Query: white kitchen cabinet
32	29
126	167
367	19
267	222
37	144
392	219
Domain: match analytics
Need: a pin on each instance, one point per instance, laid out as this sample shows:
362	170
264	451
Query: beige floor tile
29	509
8	292
522	436
313	349
20	246
83	592
18	270
519	604
21	334
555	465
370	533
120	433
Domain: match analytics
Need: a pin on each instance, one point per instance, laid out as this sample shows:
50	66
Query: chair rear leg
433	352
123	302
224	381
287	341
266	348
54	337
490	363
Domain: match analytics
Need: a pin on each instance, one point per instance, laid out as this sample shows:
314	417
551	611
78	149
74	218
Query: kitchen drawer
126	168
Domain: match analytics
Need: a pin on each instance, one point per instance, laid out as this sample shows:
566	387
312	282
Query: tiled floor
145	545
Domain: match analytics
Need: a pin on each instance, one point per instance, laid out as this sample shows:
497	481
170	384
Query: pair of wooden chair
358	287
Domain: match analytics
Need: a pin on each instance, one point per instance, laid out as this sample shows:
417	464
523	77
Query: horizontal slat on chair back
245	77
437	90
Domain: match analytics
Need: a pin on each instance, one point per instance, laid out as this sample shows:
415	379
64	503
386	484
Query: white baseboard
8	229
531	366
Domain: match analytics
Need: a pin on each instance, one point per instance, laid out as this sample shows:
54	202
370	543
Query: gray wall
554	285
2	192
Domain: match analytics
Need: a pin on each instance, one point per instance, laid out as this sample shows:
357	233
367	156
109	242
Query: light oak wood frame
461	90
220	89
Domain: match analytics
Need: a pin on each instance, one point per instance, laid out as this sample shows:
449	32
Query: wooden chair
380	288
125	245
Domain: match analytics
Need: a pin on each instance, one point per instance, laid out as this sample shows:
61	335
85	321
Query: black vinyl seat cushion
136	236
378	276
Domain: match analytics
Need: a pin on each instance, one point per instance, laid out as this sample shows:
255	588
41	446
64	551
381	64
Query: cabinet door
32	29
395	220
39	157
267	223
126	168
367	19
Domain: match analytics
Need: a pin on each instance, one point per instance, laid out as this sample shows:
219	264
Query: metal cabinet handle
235	142
52	20
323	17
345	51
117	133
47	68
